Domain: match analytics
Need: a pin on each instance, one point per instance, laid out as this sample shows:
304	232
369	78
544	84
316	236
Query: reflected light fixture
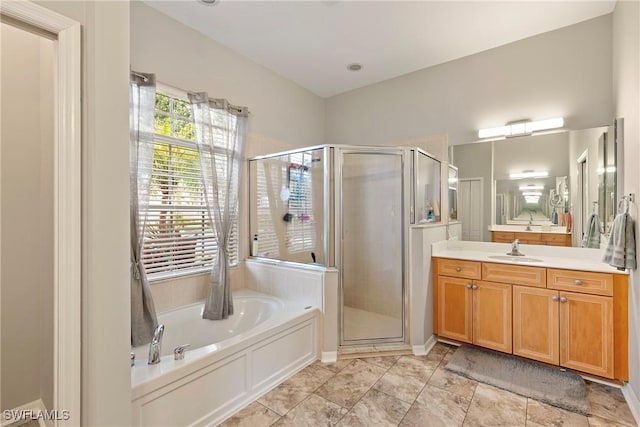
531	193
528	174
531	187
521	128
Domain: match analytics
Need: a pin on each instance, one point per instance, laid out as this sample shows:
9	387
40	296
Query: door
535	324
470	208
455	308
372	256
586	333
492	315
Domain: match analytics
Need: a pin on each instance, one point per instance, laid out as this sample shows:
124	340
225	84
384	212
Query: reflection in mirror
453	193
580	169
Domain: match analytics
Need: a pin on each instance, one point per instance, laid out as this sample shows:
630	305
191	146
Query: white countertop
554	229
567	258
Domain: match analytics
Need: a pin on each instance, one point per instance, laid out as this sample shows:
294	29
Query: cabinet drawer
459	268
514	274
529	238
554	238
502	236
580	281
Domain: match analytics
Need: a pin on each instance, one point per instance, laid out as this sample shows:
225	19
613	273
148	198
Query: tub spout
156	343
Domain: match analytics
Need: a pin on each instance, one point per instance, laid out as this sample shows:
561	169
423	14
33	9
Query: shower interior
348	207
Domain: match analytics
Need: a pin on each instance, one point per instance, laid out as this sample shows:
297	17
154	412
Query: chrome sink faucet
515	249
530	222
156	343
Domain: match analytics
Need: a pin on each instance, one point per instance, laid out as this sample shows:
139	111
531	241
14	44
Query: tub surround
217	379
306	284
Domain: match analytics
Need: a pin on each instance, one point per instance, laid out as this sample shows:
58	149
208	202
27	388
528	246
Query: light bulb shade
521	128
531	187
528	174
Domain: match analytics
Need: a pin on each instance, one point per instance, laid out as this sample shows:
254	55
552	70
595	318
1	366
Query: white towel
621	249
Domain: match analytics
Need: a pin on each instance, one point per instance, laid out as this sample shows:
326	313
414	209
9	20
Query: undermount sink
514	258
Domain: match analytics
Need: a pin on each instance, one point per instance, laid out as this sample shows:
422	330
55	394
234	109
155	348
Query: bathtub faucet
156	343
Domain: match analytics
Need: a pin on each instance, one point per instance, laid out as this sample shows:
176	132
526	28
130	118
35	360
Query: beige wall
283	115
27	218
626	93
106	375
566	73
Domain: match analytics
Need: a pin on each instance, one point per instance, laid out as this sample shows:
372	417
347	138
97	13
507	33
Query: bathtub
229	362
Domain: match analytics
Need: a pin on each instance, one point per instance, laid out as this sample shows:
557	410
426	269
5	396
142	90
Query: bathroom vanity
552	308
554	236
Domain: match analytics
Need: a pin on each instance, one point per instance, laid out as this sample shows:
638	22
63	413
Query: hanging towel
592	236
621	249
569	222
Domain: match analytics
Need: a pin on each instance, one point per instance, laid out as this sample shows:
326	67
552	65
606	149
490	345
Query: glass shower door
372	247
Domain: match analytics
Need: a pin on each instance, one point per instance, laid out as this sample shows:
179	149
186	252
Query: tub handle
178	352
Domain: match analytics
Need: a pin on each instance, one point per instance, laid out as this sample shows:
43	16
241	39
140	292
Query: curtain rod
142	76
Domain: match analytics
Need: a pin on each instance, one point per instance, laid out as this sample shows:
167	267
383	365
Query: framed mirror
578	171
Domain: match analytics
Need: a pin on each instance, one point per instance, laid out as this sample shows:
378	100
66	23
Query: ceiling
311	42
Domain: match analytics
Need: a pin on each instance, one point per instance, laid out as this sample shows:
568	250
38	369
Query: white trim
35	407
329	357
632	400
67	199
424	349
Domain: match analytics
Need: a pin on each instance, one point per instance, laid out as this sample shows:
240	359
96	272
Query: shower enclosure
347	207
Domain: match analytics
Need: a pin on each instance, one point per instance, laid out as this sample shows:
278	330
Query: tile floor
413	391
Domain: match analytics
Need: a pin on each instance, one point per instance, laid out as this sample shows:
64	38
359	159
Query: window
178	236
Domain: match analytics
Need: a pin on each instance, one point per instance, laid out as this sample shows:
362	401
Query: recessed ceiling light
354	67
209	2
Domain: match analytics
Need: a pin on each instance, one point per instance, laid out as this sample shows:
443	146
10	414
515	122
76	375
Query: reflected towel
592	236
621	249
569	222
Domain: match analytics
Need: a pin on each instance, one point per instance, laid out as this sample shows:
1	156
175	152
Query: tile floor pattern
413	391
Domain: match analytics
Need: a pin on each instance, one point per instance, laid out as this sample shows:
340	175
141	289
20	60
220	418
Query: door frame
339	237
67	200
481	213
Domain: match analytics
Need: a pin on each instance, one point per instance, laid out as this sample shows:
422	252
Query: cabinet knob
474	287
458	269
555	298
563	299
578	282
469	286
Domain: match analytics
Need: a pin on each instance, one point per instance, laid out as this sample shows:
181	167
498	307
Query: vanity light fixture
531	193
529	174
521	128
531	187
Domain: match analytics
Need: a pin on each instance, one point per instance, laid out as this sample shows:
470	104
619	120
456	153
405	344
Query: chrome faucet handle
178	352
133	359
156	344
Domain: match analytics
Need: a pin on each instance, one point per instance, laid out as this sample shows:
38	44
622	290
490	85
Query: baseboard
633	401
424	349
329	356
35	407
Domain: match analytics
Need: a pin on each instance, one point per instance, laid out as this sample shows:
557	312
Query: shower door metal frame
337	161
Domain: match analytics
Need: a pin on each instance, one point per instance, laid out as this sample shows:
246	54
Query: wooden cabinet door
492	315
536	324
586	333
454	308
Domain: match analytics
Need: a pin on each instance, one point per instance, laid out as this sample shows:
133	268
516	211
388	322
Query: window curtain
221	131
142	95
